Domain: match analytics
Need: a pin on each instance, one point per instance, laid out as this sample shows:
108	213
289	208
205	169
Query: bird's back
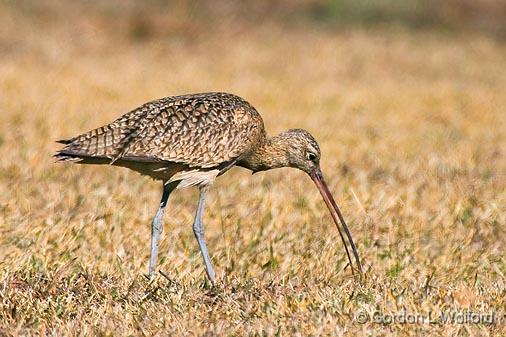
201	131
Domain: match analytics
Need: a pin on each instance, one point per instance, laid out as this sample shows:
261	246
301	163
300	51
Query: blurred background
272	51
157	19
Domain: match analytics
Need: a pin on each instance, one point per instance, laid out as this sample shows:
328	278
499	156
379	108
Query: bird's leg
198	230
157	227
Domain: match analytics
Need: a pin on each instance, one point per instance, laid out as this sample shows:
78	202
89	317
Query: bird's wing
200	130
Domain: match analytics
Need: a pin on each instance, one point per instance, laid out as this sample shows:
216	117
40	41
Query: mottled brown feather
198	131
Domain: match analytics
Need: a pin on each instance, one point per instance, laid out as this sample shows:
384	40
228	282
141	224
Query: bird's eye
311	156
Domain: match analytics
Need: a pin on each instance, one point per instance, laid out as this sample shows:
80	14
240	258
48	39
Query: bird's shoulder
209	106
200	130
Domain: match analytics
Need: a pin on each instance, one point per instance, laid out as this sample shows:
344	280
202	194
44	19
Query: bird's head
302	150
297	148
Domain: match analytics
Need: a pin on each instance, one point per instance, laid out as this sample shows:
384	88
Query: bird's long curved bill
317	177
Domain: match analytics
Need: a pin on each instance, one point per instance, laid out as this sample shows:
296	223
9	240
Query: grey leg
198	230
157	227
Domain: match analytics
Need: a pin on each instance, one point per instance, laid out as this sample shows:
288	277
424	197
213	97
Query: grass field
412	126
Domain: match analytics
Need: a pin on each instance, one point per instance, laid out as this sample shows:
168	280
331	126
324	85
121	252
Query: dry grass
412	127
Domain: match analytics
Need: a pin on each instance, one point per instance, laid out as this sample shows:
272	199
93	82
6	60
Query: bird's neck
271	153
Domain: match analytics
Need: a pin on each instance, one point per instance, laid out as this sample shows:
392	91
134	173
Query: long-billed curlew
189	140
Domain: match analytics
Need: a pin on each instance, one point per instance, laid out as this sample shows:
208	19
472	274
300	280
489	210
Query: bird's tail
68	156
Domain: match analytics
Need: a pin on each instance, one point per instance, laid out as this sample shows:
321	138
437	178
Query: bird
190	140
